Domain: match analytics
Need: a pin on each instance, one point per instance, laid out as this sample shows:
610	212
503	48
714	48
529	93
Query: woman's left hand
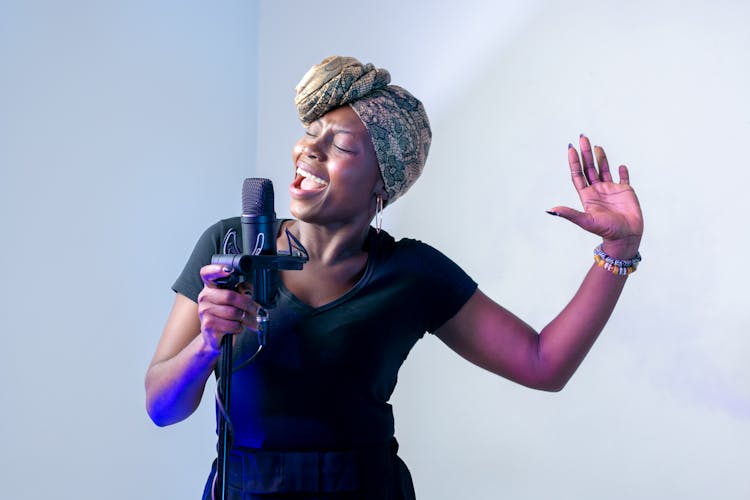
610	209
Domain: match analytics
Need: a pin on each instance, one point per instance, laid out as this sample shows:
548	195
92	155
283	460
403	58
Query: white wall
126	127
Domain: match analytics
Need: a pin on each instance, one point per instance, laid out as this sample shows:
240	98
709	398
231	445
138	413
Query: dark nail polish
227	269
552	213
570	145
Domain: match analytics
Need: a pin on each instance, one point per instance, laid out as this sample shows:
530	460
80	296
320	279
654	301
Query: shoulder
411	249
433	284
225	225
413	255
218	236
212	241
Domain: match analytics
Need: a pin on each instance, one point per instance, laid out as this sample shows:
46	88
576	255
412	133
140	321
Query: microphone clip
261	270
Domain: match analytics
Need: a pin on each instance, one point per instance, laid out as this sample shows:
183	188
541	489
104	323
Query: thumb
213	274
574	216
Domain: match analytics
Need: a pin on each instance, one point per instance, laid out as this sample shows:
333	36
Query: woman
310	415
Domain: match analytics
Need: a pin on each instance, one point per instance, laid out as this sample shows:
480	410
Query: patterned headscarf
396	120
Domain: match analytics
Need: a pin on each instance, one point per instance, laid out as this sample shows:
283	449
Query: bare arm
190	345
490	336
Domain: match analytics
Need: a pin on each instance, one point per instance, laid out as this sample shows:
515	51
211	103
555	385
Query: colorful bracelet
616	266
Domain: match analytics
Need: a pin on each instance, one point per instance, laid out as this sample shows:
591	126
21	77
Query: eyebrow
334	128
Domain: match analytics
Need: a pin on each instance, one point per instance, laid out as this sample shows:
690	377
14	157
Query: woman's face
336	171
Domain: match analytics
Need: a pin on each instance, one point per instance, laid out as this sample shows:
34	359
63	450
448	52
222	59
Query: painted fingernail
570	145
227	269
581	135
552	213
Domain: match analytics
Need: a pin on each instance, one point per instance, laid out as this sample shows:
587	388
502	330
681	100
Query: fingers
226	304
213	272
601	160
624	175
592	166
246	287
576	174
223	311
589	167
581	219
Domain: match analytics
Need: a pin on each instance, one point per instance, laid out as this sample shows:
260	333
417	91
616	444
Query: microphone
258	223
259	261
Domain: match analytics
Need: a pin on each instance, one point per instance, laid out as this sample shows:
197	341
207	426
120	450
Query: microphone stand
225	384
261	268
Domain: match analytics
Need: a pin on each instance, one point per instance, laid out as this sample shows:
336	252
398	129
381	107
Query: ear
379	191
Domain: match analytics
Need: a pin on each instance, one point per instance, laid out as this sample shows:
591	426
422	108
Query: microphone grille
257	197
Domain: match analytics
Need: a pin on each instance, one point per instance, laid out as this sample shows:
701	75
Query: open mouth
310	181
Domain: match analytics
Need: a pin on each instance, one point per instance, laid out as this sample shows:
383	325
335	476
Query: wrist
614	265
625	248
206	348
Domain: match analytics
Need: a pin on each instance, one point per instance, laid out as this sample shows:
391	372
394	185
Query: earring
378	214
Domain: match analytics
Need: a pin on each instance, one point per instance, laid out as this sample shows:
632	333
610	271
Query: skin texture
333	219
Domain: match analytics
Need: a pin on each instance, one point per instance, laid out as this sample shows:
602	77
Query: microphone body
258	223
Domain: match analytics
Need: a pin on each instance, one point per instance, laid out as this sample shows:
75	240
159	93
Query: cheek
344	173
297	150
359	179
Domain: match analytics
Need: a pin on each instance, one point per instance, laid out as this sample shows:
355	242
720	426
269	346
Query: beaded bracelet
616	266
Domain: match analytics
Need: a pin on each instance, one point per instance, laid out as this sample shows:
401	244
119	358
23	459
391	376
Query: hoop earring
378	214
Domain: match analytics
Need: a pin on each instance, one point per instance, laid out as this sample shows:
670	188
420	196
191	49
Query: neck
331	244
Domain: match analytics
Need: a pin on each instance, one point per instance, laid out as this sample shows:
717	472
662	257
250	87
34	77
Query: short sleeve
443	287
448	287
189	281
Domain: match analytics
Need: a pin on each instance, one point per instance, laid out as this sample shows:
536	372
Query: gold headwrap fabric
396	120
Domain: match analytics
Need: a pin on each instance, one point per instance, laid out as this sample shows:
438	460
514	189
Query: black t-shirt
325	376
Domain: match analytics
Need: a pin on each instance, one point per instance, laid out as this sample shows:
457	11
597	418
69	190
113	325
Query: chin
302	212
294	211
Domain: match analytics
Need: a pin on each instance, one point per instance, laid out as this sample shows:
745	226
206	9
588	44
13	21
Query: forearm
565	341
174	386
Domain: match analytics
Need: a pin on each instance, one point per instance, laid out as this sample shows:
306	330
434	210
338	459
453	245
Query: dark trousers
375	473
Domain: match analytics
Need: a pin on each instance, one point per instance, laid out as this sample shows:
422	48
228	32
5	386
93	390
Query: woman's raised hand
223	311
610	209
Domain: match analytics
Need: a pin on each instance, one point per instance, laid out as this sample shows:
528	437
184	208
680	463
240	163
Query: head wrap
396	120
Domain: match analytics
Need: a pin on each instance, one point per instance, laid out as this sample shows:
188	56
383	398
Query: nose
311	148
310	152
